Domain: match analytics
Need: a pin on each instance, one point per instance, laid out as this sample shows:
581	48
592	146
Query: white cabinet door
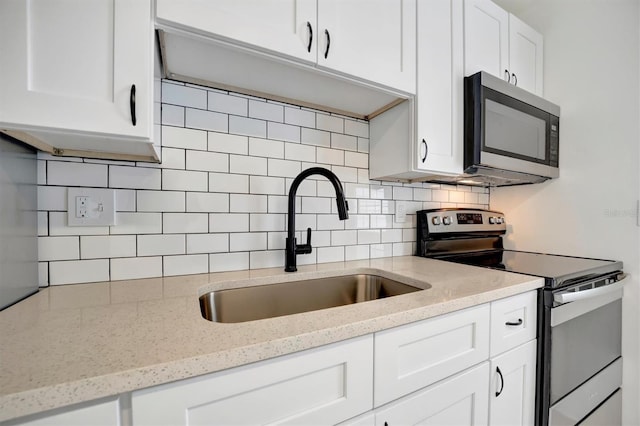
512	391
525	56
459	400
326	385
71	66
283	26
486	38
415	355
370	39
103	413
439	112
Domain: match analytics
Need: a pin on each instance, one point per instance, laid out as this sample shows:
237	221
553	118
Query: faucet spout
292	248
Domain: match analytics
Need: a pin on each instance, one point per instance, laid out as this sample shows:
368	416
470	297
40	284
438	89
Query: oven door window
584	345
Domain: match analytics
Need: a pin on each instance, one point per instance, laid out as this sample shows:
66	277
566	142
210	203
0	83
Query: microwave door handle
587	294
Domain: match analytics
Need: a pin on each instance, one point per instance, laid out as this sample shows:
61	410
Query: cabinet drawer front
103	413
513	321
459	400
319	386
413	356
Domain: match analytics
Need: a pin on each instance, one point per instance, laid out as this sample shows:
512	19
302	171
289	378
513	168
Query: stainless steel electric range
579	362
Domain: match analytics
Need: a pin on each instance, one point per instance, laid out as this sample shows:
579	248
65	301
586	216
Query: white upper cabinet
74	74
501	44
284	26
371	39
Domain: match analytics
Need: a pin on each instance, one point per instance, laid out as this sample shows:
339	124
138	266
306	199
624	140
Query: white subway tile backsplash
266	111
330	156
184	180
178	94
242	164
73	174
232	144
125	200
330	254
248	241
157	245
222	182
207	161
315	137
329	123
241	203
183	265
137	223
266	185
185	223
161	201
58	248
206	120
207	243
134	177
298	152
219	199
283	132
345	142
299	117
96	247
284	168
356	128
58	226
356	159
131	268
228	262
228	222
228	104
266	259
356	252
266	148
78	271
207	202
52	198
266	222
178	137
173	115
247	126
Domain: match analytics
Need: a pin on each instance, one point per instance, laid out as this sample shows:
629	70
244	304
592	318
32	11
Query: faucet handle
305	248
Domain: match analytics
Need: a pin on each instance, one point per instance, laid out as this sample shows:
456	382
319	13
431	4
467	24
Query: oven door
585	350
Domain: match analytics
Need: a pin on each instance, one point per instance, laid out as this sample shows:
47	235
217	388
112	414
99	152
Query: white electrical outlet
91	207
401	211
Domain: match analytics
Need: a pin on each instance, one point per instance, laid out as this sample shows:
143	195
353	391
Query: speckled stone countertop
74	343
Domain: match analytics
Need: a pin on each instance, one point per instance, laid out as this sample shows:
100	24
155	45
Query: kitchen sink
274	300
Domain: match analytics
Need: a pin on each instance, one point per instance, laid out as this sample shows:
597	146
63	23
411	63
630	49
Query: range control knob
446	220
436	220
492	220
499	220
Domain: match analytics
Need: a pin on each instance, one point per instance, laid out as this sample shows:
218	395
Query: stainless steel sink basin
274	300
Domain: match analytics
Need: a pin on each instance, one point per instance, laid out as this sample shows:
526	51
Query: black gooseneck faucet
293	249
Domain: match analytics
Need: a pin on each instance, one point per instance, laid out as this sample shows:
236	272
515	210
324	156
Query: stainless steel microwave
511	136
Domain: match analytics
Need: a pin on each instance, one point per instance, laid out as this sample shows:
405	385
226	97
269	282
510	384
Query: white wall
592	71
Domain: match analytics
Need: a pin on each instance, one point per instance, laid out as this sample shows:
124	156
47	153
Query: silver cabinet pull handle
426	150
501	382
132	104
514	323
507	76
515	79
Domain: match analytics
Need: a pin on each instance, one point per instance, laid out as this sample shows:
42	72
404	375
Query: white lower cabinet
512	391
105	412
319	386
459	400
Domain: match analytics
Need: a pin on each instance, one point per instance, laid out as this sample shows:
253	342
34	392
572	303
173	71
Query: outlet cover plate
91	207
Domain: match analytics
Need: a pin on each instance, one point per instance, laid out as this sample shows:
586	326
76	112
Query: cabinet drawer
106	412
410	357
319	386
459	400
513	321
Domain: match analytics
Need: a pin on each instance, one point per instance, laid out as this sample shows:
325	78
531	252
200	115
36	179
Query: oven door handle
587	294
